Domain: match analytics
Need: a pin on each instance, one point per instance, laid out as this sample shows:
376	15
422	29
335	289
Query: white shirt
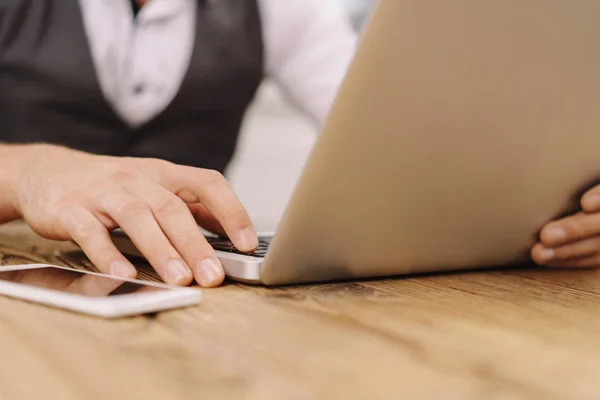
308	47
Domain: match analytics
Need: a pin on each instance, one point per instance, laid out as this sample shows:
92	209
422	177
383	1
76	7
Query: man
124	113
134	83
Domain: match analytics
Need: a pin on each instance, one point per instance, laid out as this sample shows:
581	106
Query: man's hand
69	195
574	241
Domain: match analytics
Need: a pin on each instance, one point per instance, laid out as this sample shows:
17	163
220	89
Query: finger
583	262
93	238
205	219
135	218
212	190
590	202
178	224
576	227
583	248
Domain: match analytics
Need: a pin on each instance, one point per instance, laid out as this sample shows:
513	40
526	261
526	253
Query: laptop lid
461	128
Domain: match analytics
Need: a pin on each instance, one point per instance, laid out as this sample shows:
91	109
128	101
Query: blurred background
275	143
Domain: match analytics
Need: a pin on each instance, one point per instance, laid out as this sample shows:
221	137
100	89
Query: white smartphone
91	293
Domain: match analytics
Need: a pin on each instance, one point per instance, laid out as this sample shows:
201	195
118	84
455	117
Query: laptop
460	129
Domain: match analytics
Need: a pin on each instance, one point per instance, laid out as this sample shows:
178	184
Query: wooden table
504	334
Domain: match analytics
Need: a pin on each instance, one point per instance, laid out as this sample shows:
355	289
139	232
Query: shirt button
138	89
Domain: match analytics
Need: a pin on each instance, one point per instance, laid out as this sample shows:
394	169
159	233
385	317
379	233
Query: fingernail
555	235
248	239
210	272
546	254
123	270
178	272
592	202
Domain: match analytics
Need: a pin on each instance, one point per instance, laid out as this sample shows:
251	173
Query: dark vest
49	91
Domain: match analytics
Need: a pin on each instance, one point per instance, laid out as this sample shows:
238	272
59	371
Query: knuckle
159	163
124	174
161	171
168	204
84	230
156	166
103	257
213	177
124	171
132	208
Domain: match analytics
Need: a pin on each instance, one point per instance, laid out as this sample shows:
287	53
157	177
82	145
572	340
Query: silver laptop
461	128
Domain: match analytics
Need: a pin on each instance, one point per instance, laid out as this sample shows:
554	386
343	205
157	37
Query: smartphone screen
75	282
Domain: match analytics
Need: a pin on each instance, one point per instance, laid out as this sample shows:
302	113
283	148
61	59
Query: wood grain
502	334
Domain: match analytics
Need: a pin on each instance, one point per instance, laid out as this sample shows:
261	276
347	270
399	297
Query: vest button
138	89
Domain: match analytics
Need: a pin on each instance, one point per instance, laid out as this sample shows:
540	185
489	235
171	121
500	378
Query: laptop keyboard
222	244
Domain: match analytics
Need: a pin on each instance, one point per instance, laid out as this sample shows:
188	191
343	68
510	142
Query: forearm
9	155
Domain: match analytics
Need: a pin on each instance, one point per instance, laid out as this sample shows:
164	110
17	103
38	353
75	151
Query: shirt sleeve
309	45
